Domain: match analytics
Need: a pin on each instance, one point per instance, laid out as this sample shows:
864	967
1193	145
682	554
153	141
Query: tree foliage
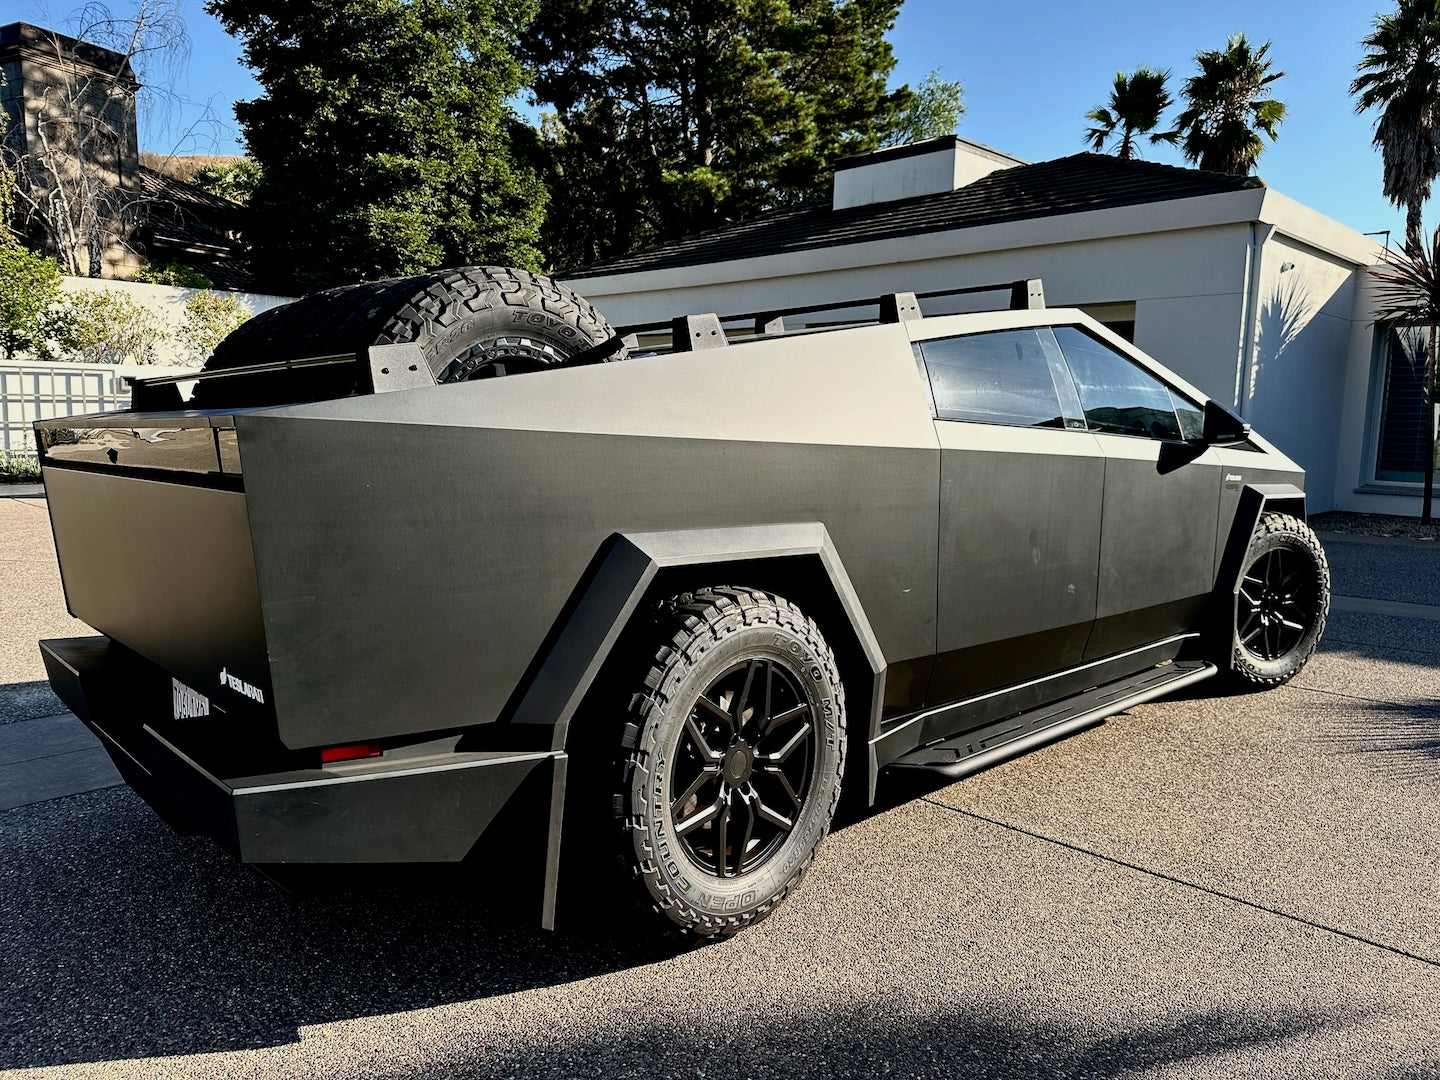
29	292
1400	76
1225	113
383	137
673	116
1409	295
105	327
1137	102
208	319
935	108
235	181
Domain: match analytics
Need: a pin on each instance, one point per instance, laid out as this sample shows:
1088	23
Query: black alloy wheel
732	759
1281	602
1277	603
743	769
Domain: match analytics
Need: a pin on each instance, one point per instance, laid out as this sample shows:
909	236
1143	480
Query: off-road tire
1281	604
711	639
474	322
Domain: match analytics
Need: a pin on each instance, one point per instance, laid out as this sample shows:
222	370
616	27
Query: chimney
922	168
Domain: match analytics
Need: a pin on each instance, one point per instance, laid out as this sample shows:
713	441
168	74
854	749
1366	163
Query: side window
1119	396
1005	377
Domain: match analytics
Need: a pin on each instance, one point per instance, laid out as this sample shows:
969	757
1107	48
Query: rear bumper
426	805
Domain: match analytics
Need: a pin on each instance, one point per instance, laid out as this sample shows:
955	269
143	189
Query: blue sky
1030	71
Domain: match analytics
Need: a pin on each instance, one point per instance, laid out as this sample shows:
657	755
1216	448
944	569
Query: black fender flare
1255	500
623	572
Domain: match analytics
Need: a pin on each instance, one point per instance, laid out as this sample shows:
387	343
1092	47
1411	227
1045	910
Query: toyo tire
733	760
1281	603
474	322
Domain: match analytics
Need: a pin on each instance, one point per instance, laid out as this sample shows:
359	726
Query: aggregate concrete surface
1206	886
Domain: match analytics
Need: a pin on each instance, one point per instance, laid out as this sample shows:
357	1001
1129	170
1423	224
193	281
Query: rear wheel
733	759
1281	604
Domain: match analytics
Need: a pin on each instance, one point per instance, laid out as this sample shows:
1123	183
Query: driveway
1206	886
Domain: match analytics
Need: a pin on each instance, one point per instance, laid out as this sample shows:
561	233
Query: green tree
673	116
29	292
384	139
1409	295
1137	102
1225	113
236	181
208	319
104	327
1400	76
934	109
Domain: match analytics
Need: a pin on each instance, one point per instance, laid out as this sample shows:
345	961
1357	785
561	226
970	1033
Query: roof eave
1165	215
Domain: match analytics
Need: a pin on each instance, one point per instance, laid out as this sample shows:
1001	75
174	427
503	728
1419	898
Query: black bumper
432	807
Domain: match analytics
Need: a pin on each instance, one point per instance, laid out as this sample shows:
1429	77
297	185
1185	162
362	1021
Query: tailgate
153	539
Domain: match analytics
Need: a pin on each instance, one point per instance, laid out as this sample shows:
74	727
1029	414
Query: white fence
33	390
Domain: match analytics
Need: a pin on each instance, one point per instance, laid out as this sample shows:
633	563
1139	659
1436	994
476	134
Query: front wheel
733	759
1281	603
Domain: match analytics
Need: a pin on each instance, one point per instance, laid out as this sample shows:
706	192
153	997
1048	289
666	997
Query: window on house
1400	454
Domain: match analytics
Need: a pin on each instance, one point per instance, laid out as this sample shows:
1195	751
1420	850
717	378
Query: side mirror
1222	426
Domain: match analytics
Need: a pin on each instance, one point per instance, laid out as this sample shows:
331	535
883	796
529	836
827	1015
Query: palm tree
1225	114
1409	295
1135	106
1400	75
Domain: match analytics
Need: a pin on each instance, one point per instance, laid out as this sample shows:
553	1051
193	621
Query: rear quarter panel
414	548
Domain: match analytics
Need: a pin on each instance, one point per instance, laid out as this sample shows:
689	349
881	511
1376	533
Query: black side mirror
1222	426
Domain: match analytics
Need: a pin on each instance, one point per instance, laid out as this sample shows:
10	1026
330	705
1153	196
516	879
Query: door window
1122	398
1005	377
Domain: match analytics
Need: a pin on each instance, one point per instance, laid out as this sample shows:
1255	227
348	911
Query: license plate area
188	703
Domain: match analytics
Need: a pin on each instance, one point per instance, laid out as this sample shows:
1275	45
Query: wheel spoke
1250	618
783	719
745	836
694	821
706	775
698	738
780	821
715	712
743	698
779	774
1248	598
1297	627
1246	639
789	748
723	836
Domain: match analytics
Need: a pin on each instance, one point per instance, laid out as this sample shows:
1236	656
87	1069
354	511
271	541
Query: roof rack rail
1025	294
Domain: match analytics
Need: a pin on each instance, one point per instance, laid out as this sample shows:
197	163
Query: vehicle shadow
123	940
966	1040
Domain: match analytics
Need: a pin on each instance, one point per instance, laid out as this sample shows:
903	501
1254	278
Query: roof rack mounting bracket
769	323
398	367
899	307
1027	295
691	333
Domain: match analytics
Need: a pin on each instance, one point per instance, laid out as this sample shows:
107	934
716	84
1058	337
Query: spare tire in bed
475	322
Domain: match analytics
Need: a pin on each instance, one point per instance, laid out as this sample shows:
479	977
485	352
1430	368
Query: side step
1005	739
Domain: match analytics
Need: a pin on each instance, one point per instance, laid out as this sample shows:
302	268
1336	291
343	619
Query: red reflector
348	753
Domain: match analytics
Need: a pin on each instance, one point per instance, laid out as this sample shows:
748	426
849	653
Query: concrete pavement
1208	886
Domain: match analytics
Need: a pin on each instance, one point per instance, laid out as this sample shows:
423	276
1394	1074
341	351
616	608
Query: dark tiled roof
1067	185
183	221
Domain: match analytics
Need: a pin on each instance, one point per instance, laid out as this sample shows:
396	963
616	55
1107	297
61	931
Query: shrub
208	318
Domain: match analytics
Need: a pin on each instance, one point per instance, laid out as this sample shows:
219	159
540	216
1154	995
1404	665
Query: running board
1005	739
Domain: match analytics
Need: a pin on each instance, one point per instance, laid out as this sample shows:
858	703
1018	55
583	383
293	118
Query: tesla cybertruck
363	600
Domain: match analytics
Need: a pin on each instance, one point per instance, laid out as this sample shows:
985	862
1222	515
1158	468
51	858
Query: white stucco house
1253	297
